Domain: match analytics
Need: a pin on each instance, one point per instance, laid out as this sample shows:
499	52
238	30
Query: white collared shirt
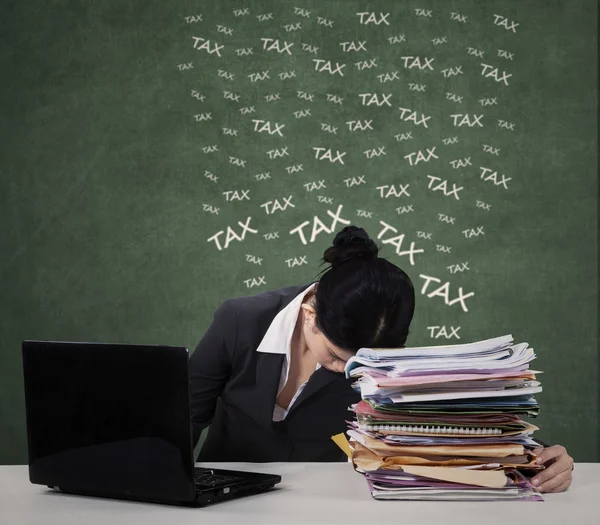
278	340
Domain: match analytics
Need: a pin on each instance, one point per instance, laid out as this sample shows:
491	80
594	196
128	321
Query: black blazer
233	389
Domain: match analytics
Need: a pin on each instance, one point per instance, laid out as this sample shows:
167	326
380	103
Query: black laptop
113	420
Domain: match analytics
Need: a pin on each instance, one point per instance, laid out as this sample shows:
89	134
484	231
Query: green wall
110	191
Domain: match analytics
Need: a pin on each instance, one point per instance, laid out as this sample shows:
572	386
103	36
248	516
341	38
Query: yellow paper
415	460
481	478
341	441
367	460
492	450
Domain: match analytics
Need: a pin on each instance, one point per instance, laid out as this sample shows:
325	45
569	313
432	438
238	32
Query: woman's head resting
362	300
325	352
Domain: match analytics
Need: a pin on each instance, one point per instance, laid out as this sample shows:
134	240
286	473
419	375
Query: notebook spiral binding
434	430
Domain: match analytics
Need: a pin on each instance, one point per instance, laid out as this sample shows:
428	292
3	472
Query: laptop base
204	498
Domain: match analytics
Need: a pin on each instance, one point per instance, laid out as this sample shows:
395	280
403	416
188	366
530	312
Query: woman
268	375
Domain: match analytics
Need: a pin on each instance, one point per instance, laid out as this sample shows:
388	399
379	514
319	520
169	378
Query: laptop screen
108	417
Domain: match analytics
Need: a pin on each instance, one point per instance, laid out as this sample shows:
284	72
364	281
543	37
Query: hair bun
350	235
350	243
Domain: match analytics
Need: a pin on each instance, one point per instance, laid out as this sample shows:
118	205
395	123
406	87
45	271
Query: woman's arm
210	367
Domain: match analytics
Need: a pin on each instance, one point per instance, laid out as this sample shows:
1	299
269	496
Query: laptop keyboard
206	479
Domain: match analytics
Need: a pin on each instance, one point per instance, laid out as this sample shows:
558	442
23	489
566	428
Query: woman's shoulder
265	301
251	315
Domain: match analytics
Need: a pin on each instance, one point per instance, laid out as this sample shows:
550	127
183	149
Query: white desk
310	493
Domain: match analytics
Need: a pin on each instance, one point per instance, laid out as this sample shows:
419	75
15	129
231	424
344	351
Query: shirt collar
278	338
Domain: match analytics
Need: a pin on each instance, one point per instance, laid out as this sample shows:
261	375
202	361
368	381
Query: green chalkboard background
110	193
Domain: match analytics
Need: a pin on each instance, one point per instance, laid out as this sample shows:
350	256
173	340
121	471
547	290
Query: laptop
113	420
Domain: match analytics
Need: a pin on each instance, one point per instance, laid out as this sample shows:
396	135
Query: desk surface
309	493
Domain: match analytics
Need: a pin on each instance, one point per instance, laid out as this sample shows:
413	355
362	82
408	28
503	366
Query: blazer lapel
268	371
268	375
318	380
263	369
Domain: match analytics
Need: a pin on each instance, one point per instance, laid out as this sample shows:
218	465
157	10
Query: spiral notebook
523	428
437	430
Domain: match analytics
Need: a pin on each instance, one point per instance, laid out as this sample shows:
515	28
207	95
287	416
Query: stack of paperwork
443	422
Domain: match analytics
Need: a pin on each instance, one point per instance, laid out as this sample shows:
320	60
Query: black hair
362	300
